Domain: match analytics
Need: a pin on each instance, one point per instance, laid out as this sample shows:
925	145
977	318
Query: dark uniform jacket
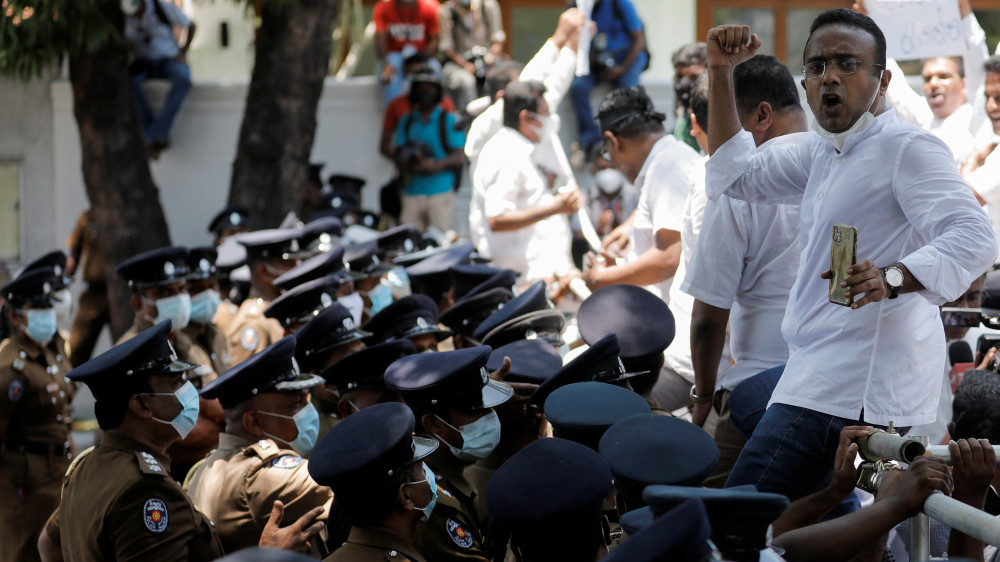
371	545
452	532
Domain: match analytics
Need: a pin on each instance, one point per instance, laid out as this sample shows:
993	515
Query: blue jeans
748	401
590	134
791	452
157	128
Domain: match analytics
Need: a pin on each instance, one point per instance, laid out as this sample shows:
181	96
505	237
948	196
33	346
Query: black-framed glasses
845	65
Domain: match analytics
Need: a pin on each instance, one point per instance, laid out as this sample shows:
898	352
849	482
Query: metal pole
920	538
965	518
941	452
882	445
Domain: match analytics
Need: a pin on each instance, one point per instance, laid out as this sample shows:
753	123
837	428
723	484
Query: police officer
270	253
157	279
452	397
228	222
118	500
432	276
414	318
35	413
365	270
93	311
372	463
203	287
360	377
300	304
270	424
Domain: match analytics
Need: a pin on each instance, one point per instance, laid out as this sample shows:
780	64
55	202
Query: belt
34	447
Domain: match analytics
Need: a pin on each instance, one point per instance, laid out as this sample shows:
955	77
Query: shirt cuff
729	163
943	279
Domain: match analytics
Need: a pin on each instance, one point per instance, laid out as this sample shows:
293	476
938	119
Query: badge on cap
286	461
421	323
336	202
155	516
46	288
348	323
203	265
326	300
408	245
485	375
15	390
235	218
458	533
168	268
249	339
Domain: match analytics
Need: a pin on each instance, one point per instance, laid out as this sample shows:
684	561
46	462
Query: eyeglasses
845	65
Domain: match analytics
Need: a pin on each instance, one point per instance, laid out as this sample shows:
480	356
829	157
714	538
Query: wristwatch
893	277
699	399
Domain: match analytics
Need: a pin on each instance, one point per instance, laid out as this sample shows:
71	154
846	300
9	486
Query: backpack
442	138
616	7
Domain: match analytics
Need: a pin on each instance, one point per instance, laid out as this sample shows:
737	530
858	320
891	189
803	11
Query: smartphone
843	254
961	317
983	345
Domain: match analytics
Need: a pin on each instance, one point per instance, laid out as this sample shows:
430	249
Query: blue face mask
42	324
355	305
381	297
307	423
432	482
399	282
176	308
204	305
183	422
479	438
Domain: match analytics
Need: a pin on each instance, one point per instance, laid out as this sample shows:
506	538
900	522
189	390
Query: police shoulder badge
458	533
155	516
15	390
286	461
249	339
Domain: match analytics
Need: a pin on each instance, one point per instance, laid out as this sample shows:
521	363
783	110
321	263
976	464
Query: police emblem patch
15	390
249	339
286	461
155	516
458	533
169	269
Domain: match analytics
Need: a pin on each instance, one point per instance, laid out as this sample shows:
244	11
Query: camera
409	154
601	59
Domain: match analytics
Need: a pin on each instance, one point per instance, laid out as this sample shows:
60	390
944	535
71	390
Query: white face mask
354	304
550	125
609	181
866	119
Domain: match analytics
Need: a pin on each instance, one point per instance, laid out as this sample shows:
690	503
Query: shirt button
840	159
53	399
820	196
59	417
62	394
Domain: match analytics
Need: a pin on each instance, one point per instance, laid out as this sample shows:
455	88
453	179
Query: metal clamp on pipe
942	452
881	444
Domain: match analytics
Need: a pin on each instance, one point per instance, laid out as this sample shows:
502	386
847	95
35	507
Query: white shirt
986	181
898	185
671	171
150	38
507	179
747	264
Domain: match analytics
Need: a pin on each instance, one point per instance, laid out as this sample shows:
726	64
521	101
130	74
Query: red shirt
412	24
400	106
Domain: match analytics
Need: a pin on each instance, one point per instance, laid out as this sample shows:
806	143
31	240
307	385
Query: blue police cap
448	378
363	262
680	534
406	260
505	278
531	361
302	303
332	327
34	286
464	277
547	325
600	362
430	276
650	449
231	255
274	242
122	367
161	266
402	239
531	300
409	317
341	201
321	265
272	370
346	182
232	217
201	262
550	485
368	448
320	233
640	319
740	518
468	312
365	369
54	260
583	411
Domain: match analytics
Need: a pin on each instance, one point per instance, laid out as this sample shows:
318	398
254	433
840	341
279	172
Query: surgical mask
609	181
549	126
399	282
866	119
432	482
204	305
479	438
42	324
176	308
355	305
62	302
381	297
184	421
306	423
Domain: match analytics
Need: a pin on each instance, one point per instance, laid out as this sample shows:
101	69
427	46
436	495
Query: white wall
669	25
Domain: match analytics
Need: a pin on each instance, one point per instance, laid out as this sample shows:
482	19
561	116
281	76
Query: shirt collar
853	140
661	144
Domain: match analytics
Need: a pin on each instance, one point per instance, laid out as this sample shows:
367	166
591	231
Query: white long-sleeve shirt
897	184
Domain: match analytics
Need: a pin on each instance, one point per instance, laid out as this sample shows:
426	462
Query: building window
10	216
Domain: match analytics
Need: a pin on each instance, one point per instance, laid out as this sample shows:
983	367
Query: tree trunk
124	201
279	122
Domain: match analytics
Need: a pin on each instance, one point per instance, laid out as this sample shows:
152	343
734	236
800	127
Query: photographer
429	156
472	40
617	55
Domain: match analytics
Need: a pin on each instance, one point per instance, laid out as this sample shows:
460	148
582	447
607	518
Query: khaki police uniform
212	341
120	503
452	532
224	316
250	331
236	485
36	408
93	310
366	544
